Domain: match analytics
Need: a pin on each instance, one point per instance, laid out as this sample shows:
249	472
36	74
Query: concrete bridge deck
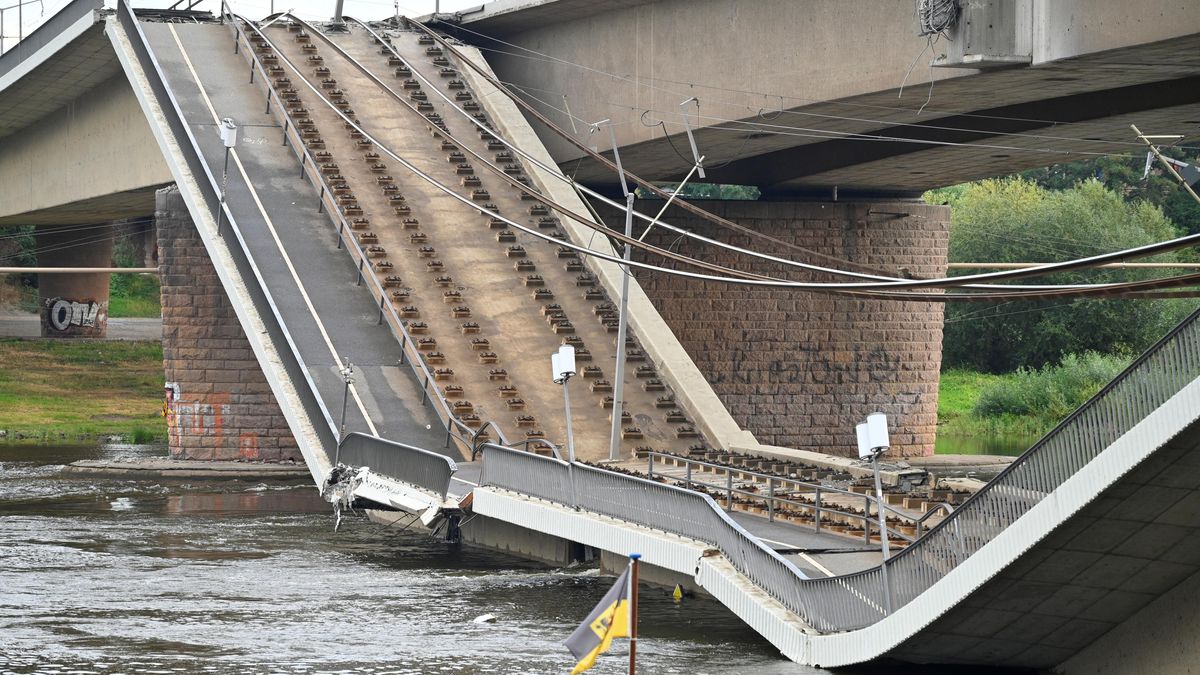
1114	470
294	246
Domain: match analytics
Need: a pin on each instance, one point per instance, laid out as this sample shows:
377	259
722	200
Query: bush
1015	220
1051	392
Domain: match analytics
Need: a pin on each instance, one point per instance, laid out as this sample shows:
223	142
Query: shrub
1051	392
1017	221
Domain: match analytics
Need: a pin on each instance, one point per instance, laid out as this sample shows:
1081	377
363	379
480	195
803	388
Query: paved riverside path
13	325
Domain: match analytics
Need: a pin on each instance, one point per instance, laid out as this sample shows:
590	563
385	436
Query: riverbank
60	391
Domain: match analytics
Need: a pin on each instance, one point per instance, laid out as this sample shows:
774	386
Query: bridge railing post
867	520
817	510
771	499
689	475
728	489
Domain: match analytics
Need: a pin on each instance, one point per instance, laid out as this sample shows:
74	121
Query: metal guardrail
1145	385
779	494
835	604
648	503
411	464
858	600
256	287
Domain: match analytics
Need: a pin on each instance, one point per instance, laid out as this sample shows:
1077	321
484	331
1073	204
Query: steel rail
775	483
1040	270
463	434
854	601
587	251
613	234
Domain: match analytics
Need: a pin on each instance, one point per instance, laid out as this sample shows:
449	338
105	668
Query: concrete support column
219	405
800	369
74	305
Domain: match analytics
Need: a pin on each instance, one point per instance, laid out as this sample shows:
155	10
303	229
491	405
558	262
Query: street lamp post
347	372
229	133
873	442
562	364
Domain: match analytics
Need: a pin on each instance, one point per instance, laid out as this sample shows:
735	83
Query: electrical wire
74	244
641	81
1042	269
512	181
1108	288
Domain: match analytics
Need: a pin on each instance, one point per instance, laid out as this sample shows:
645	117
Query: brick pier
223	407
800	369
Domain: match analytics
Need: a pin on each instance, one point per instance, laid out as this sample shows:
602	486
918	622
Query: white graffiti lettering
65	313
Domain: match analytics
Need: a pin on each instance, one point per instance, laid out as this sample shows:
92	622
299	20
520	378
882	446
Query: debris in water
485	618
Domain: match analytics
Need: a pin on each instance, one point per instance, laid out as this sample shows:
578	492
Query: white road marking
271	226
817	565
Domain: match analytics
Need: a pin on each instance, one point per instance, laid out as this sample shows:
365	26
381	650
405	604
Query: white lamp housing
864	445
563	363
228	132
877	432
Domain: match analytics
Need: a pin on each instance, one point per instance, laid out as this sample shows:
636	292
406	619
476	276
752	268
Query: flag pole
633	611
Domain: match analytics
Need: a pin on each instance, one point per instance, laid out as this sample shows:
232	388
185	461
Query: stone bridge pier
219	405
801	369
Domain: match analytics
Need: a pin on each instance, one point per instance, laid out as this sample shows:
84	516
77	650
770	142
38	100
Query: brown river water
121	576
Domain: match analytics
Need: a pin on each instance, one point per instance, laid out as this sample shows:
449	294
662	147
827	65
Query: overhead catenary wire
74	244
1081	263
776	283
526	189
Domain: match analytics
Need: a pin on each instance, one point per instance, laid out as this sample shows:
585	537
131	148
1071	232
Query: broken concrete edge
187	469
691	388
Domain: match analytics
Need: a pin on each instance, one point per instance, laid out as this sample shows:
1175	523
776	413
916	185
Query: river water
108	576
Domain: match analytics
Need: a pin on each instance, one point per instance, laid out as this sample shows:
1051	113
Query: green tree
1015	220
1123	175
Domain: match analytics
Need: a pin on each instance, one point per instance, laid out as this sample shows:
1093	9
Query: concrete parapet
220	406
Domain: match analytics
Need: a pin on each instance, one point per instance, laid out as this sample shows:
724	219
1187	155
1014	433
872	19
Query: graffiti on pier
62	314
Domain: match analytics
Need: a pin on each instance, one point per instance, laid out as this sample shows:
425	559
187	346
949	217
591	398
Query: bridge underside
803	116
1132	546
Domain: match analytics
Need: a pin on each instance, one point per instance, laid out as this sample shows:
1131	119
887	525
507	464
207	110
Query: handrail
429	470
460	431
933	508
654	505
770	497
1160	372
264	303
857	600
475	442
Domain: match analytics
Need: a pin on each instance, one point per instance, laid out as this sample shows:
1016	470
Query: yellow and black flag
609	620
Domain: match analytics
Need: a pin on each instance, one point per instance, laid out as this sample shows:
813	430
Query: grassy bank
57	391
134	296
1027	403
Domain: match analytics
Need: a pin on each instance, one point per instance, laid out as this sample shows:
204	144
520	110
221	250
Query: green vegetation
1028	402
134	295
1123	175
1015	220
706	191
64	391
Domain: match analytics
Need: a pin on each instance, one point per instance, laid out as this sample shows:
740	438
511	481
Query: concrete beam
97	146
